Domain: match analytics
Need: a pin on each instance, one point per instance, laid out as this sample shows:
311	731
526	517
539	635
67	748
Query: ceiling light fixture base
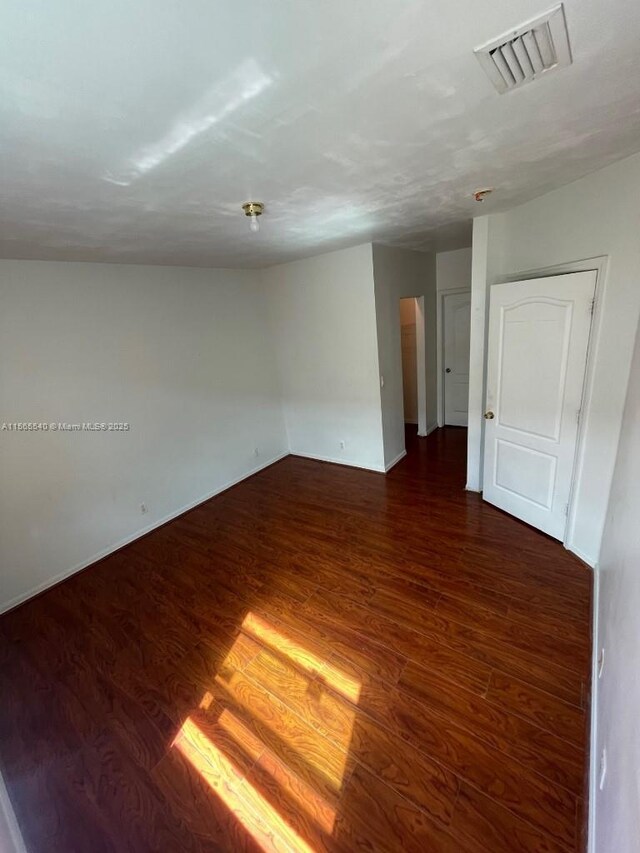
253	208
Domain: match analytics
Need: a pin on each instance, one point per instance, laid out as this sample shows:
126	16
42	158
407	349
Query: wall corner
477	350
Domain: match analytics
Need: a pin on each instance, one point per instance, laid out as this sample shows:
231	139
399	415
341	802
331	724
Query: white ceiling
133	130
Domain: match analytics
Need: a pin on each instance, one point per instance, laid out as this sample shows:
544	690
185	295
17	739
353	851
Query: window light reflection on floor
265	633
256	814
313	803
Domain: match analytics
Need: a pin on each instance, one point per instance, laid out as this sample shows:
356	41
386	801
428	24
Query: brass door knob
489	416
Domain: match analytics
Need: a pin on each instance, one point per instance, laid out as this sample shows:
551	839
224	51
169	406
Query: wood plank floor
319	659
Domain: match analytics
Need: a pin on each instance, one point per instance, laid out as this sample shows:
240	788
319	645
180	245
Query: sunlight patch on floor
291	699
261	820
265	633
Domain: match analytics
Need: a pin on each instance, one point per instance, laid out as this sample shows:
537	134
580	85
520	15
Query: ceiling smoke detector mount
526	53
480	195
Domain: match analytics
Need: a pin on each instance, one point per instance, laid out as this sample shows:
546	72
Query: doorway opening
414	374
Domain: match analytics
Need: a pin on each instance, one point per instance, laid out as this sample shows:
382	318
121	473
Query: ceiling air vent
524	54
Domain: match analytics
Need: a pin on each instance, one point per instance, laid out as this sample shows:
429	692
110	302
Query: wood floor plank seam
428	756
550	728
547	777
441	640
455	771
499	641
496	669
428	586
577	707
357	760
569	849
433	587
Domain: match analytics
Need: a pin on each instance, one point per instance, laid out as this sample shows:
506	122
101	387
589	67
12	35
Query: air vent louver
524	54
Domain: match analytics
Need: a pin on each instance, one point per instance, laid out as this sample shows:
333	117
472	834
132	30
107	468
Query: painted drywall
399	273
617	700
453	270
409	362
182	355
322	312
597	216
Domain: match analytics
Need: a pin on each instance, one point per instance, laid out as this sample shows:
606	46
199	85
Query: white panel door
538	337
457	315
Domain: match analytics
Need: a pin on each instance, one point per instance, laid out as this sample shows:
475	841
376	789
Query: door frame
598	265
440	346
421	365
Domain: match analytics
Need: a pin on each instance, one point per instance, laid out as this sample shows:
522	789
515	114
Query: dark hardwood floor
320	658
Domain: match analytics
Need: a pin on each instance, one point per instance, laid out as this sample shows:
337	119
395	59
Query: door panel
525	472
457	314
531	396
538	338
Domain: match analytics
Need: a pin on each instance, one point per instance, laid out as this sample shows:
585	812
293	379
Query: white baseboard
593	736
20	599
10	836
395	461
584	557
335	461
428	431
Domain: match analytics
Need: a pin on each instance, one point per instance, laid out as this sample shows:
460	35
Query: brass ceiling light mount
253	209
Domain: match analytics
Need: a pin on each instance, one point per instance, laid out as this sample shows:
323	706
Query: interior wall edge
110	549
11	840
593	715
400	273
477	351
395	461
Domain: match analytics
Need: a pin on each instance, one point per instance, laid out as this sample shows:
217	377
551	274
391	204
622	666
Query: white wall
617	806
324	321
399	273
183	355
453	270
409	360
596	216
